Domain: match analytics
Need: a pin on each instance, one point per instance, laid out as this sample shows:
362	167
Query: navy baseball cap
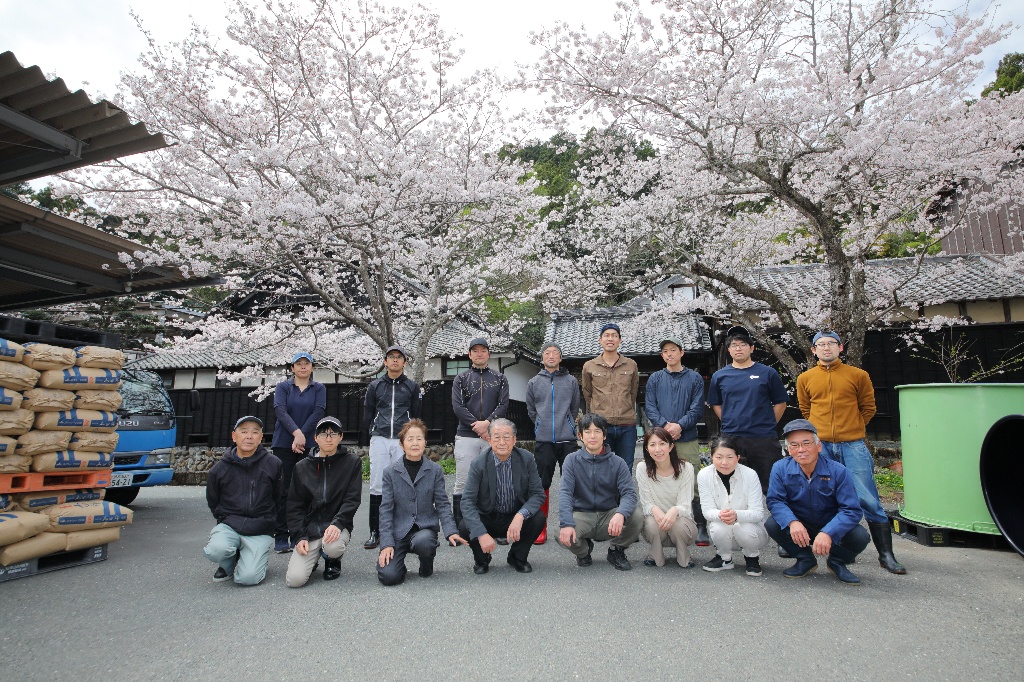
246	419
611	325
823	334
799	425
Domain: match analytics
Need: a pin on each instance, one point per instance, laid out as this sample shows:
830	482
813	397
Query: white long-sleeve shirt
745	496
666	491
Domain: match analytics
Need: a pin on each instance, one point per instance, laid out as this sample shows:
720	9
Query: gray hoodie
594	483
552	401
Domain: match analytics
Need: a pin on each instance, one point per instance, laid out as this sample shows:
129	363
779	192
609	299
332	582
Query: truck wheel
121	495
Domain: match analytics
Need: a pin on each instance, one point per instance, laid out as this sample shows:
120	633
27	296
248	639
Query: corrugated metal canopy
47	129
46	259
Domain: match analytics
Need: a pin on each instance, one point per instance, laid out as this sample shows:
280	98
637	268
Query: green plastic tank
942	429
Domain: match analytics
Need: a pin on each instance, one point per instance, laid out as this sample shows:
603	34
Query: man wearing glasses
840	400
749	398
814	507
502	498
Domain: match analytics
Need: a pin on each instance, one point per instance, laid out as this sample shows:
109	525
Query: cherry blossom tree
789	131
326	160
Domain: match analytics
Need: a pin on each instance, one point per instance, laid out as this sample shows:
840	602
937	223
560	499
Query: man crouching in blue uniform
815	508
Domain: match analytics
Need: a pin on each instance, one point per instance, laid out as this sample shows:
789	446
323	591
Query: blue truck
147	428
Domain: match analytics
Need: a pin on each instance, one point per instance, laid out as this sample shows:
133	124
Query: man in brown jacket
840	400
610	383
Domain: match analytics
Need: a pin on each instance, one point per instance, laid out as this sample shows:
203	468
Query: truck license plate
120	480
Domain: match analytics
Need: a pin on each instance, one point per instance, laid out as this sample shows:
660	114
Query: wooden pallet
53	480
53	562
938	536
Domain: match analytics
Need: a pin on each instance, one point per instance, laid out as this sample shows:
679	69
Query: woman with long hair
665	486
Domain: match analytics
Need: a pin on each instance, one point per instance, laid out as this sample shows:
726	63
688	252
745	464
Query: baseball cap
670	339
398	348
248	418
799	425
326	422
611	325
300	355
740	334
823	334
479	341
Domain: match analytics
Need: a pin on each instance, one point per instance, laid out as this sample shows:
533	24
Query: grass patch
448	465
889	482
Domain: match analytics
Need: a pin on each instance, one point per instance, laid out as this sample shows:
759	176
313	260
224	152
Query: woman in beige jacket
665	486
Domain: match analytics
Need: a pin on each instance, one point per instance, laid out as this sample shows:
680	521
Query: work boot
702	527
841	571
881	535
805	563
783	554
374	539
543	537
332	568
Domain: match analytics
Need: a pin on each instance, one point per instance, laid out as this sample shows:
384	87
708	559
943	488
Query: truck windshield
143	394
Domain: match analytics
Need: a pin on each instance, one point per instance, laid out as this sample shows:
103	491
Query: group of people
302	497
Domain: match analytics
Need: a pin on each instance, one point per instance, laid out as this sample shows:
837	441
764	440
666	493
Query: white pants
467	449
301	567
383	452
749	538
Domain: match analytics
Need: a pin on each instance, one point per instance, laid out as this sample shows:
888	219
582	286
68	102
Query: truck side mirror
193	400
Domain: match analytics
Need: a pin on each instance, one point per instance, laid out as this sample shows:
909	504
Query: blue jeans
622	441
855	456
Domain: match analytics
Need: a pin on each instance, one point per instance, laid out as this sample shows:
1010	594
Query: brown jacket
611	391
838	399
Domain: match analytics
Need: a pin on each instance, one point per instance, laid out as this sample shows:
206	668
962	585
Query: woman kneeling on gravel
324	496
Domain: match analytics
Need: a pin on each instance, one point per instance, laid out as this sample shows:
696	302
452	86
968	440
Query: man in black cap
815	508
552	401
749	398
242	491
391	400
479	396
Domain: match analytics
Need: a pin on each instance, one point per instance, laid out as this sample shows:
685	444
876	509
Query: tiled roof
451	341
577	331
941	279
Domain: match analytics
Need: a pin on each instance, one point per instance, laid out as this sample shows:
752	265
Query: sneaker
220	575
586	560
717	563
753	565
617	558
282	545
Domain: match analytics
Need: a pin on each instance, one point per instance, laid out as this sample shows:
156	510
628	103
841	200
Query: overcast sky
89	42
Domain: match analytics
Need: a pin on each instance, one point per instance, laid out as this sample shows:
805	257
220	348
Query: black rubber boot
332	568
881	535
702	525
374	539
457	509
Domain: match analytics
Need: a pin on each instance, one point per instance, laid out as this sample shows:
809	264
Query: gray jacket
594	483
552	401
480	495
406	503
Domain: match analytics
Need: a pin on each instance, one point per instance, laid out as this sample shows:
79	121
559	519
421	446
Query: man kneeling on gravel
242	490
596	499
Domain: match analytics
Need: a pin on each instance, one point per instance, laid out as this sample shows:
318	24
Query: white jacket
745	500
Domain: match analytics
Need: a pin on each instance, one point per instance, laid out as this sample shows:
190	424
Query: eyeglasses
826	344
737	346
329	434
396	357
801	445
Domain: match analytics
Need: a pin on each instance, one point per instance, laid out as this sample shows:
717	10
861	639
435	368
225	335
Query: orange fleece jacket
838	399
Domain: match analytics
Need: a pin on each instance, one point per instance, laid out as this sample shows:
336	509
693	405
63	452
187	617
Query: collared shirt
504	489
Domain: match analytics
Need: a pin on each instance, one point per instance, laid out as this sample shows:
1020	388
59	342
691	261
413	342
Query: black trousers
550	454
497	526
760	454
288	461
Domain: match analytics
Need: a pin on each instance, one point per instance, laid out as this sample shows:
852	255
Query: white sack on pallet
79	377
48	399
76	420
73	516
37	502
14	464
83	441
38	442
97	400
8	445
15	526
10	399
43	356
17	376
16	422
100	357
33	548
72	460
83	539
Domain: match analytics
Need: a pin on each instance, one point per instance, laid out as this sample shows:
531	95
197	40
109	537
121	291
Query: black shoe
480	569
520	566
589	559
650	562
617	558
372	541
717	563
802	567
842	572
501	541
753	566
332	569
220	575
426	567
783	554
282	545
702	536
